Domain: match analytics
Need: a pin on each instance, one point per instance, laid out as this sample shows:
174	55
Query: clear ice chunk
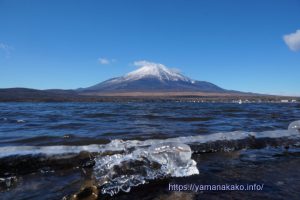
121	172
294	125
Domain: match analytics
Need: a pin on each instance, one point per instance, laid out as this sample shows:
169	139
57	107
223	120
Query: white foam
49	150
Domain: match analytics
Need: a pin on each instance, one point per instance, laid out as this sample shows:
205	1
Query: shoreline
32	95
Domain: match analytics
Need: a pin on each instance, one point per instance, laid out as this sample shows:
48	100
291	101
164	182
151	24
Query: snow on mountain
156	70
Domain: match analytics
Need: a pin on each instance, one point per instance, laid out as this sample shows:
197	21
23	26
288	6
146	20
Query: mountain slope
152	77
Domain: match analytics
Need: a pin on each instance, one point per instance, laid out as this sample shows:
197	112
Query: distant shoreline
32	95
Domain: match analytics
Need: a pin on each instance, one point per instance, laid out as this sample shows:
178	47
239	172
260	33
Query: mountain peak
155	70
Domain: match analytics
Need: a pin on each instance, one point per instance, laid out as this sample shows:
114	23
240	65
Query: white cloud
293	40
105	61
6	49
142	63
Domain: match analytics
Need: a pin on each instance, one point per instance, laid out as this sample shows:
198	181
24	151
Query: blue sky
247	45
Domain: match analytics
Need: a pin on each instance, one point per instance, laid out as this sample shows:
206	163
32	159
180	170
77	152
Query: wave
120	145
121	165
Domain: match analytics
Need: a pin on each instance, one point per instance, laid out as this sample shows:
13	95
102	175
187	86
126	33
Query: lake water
55	150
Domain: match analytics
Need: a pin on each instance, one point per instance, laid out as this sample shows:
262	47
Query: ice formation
121	172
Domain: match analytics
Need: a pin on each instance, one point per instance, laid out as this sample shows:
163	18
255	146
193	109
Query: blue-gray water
84	123
51	124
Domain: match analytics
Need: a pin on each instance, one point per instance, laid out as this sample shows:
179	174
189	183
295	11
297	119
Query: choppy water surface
55	150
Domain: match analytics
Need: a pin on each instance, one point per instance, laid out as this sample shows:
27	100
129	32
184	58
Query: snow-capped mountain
153	77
